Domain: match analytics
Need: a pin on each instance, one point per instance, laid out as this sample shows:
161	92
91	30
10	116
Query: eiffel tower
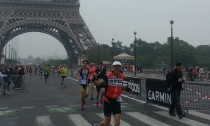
58	18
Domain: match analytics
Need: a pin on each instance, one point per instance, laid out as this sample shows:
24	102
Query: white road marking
78	120
49	106
122	123
44	121
146	119
28	107
199	114
183	120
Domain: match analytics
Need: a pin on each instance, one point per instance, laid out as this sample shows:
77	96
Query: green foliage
154	54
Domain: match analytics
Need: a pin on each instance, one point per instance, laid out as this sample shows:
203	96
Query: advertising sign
133	84
157	92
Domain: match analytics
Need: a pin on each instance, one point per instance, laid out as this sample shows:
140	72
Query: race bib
83	82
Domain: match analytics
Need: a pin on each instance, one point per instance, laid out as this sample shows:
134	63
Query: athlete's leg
91	87
102	92
45	78
117	119
82	92
62	78
64	81
97	95
105	122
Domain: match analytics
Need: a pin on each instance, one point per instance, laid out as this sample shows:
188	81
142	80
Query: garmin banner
157	92
133	84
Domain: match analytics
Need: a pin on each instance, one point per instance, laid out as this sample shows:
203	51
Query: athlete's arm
125	86
78	74
100	81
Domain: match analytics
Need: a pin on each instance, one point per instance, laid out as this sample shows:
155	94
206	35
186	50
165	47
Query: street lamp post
171	22
5	59
113	48
98	53
11	55
15	57
135	52
9	52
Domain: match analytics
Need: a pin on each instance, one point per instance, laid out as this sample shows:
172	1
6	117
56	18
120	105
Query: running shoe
101	101
96	124
83	107
97	104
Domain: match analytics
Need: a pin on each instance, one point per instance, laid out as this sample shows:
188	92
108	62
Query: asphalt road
51	104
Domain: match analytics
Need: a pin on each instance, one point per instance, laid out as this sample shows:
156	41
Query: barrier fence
195	95
17	82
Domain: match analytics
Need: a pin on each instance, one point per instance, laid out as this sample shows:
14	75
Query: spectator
176	87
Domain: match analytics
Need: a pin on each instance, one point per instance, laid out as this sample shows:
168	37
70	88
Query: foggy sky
118	19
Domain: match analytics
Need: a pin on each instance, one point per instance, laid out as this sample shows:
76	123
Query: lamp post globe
171	21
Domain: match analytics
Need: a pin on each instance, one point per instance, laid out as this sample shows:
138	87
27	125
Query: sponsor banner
157	92
133	84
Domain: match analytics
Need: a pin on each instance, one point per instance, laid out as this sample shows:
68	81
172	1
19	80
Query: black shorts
63	77
98	88
112	107
84	86
46	75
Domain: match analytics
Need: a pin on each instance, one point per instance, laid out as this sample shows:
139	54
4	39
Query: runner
35	70
30	71
92	71
64	74
40	72
59	70
82	75
100	72
46	73
113	85
53	70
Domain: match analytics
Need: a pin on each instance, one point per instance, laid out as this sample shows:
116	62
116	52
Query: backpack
169	79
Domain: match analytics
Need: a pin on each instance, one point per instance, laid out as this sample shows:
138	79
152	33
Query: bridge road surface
53	105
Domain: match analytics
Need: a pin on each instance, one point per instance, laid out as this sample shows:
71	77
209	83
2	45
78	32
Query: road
53	105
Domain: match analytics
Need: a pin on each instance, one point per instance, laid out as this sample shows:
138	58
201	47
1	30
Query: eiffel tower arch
58	18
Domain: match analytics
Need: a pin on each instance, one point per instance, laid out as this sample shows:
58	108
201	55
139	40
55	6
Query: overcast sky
118	19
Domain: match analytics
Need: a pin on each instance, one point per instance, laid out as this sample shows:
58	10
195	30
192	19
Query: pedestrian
176	87
113	81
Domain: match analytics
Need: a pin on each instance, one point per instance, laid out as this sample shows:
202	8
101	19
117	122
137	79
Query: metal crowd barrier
195	96
137	88
3	84
18	81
